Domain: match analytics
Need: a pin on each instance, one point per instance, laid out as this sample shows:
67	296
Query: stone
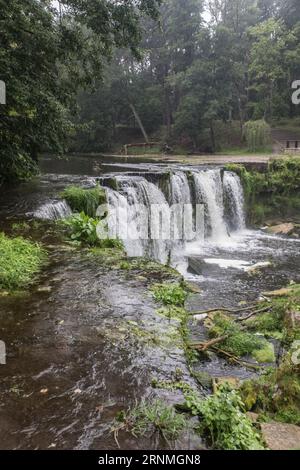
200	317
193	287
281	436
257	267
282	229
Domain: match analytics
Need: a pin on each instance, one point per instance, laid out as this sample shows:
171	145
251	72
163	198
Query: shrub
20	260
84	200
223	419
83	229
169	294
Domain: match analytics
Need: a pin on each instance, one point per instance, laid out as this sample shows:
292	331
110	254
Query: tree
46	57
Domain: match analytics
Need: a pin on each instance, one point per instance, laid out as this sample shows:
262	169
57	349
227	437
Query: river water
71	363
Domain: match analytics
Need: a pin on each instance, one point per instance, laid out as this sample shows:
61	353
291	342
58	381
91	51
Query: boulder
282	229
281	436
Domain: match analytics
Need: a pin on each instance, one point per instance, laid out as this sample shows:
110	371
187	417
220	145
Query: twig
236	359
208	344
224	309
261	310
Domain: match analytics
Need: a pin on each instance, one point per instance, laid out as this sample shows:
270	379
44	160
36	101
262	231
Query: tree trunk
212	137
139	121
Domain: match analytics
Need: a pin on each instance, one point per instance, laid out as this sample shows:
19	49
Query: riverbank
102	342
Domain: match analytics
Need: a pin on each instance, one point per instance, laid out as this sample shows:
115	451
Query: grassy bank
84	200
20	261
272	193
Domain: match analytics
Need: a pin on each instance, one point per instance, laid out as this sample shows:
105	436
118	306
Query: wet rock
200	317
282	229
193	287
281	436
256	268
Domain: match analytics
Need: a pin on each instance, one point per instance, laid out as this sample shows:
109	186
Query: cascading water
209	191
53	211
234	195
141	231
139	199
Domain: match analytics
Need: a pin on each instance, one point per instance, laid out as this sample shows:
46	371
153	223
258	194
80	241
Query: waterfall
209	191
235	197
134	216
180	189
53	210
136	193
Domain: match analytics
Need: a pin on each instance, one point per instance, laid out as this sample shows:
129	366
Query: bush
273	192
223	419
83	229
84	200
169	294
20	260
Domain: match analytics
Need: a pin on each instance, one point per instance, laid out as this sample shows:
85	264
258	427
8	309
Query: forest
194	73
149	230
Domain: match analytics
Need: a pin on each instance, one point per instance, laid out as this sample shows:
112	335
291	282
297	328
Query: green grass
153	418
240	343
20	261
169	294
84	200
244	151
144	151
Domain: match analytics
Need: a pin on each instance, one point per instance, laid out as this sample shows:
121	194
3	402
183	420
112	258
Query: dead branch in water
204	346
260	310
236	359
225	309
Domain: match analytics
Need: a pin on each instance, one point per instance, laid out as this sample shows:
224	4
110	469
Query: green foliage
271	192
169	294
46	57
20	260
153	418
223	419
264	354
84	200
239	342
83	229
257	134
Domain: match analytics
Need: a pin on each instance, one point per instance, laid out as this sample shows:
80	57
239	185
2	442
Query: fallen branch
224	309
261	310
236	359
208	344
